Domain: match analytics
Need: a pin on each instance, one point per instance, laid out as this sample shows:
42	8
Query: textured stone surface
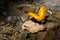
32	27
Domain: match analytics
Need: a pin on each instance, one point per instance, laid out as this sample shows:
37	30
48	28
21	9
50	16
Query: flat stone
32	27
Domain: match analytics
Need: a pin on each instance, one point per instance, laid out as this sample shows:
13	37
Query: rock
51	25
32	27
57	14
